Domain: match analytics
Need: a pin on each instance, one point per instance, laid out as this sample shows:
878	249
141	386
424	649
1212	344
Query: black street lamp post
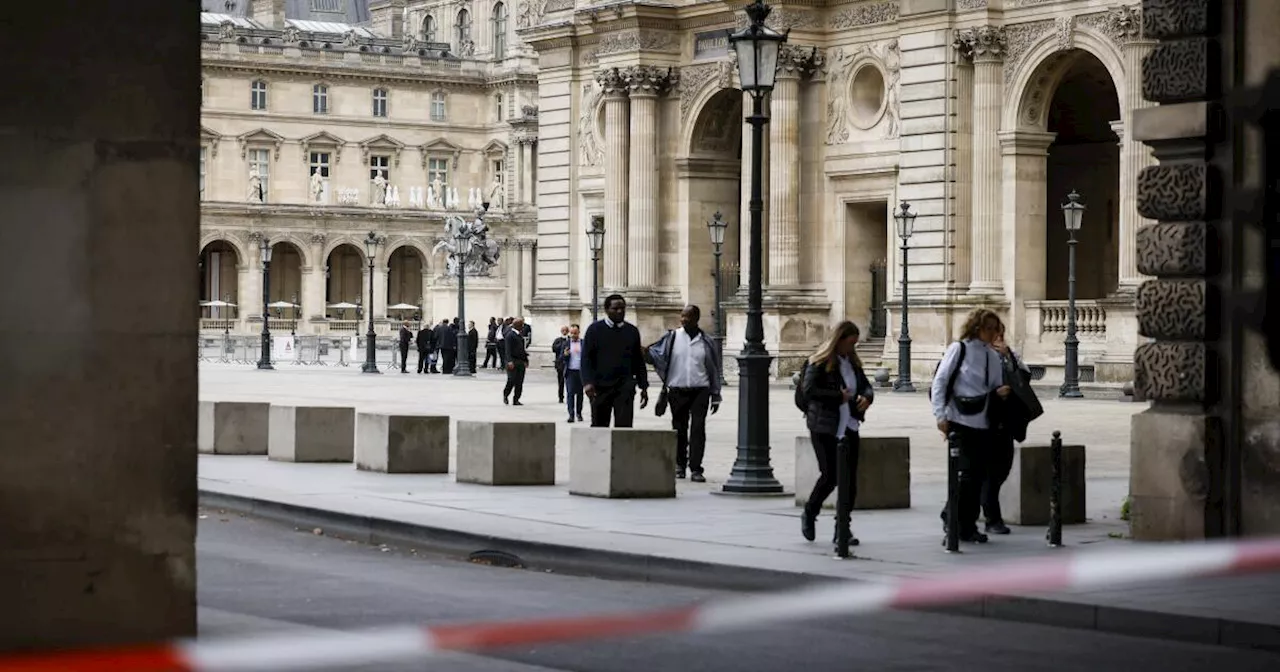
264	361
462	235
1073	215
906	221
370	339
757	48
595	238
716	225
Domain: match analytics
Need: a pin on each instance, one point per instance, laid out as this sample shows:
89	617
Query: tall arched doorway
1084	157
286	280
219	280
344	272
710	178
404	277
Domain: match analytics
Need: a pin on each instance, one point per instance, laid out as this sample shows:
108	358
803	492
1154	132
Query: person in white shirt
970	372
688	362
571	354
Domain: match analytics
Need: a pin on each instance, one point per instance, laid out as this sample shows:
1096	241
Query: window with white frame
320	99
438	169
500	31
260	162
498	112
203	153
380	103
380	165
258	95
497	170
334	6
462	30
428	29
320	162
437	106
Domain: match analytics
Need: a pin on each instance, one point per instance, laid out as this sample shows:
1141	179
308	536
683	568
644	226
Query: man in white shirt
688	362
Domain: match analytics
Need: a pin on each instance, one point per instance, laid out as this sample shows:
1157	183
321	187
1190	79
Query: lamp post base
752	473
266	366
903	383
1070	392
369	368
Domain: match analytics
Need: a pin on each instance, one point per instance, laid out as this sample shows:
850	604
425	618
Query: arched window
429	29
499	31
462	30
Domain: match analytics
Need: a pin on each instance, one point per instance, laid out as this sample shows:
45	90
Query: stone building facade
982	114
324	120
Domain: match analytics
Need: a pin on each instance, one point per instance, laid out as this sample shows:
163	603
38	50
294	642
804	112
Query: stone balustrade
1050	317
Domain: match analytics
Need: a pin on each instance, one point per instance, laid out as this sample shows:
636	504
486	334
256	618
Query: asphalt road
256	576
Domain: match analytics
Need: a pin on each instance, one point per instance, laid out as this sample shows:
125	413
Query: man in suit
446	345
491	344
557	347
517	363
473	344
426	342
406	338
613	366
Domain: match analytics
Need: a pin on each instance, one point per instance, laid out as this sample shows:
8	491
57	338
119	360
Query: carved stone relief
971	4
1172	310
865	14
1170	371
1018	39
631	40
1182	68
843	64
649	80
783	19
1065	28
719	126
1175	192
1172	249
695	78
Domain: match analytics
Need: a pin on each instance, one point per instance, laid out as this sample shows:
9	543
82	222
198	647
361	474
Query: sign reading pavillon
710	44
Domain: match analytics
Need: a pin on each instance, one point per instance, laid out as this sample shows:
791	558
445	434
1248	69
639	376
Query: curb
617	565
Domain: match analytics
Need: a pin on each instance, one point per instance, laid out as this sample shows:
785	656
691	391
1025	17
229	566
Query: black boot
807	525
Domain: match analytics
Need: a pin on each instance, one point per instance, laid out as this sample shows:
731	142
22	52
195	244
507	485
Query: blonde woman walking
837	394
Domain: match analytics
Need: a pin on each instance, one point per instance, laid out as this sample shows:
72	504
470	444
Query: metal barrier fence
325	350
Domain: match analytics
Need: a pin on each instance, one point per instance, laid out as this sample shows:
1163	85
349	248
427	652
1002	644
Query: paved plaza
1101	425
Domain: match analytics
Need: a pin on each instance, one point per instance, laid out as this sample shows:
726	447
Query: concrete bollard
506	453
1024	498
622	463
233	427
312	434
402	444
884	473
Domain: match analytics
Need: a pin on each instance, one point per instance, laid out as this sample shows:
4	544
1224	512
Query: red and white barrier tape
326	649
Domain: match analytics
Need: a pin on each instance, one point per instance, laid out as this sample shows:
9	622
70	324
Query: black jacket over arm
613	355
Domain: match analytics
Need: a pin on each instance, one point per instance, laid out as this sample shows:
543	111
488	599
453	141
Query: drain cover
496	559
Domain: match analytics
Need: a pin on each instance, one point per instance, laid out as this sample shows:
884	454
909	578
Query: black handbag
661	406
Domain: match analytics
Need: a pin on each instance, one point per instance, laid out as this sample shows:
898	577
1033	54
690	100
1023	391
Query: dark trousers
1000	463
502	354
450	357
573	392
424	360
472	362
974	446
826	448
515	380
616	400
490	355
689	407
560	381
404	359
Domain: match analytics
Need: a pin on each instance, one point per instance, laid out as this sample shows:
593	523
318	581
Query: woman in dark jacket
838	394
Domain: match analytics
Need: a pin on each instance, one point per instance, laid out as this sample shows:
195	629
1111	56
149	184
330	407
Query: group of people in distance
438	345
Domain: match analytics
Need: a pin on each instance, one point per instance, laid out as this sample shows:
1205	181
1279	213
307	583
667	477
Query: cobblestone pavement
1101	425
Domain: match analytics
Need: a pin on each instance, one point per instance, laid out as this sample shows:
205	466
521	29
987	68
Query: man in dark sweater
613	366
517	363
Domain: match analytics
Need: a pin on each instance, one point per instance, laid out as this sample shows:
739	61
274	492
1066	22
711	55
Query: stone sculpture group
435	196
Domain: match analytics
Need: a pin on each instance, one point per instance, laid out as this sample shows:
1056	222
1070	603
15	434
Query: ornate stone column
963	230
617	158
1125	23
528	255
645	83
528	169
794	62
313	280
250	303
744	213
987	46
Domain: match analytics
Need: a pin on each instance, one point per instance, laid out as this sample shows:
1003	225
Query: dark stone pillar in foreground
99	223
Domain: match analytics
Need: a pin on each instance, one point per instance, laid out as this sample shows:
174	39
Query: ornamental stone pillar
1126	24
794	62
986	45
645	83
617	160
313	280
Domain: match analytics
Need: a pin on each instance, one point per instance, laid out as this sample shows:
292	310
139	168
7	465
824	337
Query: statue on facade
255	187
453	198
477	255
393	196
468	48
432	200
317	187
379	194
497	195
437	188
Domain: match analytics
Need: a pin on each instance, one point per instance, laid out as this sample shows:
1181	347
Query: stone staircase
871	352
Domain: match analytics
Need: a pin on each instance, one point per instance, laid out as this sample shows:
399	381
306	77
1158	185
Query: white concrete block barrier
1156	563
402	444
884	473
506	453
233	427
622	463
312	434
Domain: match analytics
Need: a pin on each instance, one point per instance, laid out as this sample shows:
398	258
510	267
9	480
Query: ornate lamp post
716	226
462	235
370	343
293	325
906	221
1073	215
757	47
595	238
264	361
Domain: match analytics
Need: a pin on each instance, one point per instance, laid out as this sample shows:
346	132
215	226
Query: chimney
387	17
269	13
